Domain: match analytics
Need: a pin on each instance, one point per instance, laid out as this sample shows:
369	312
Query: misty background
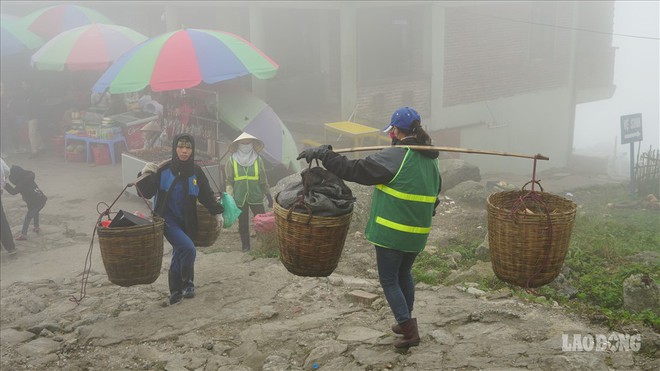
396	51
637	80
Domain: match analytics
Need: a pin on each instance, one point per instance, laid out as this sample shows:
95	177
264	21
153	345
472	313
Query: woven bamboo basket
208	230
528	247
132	255
310	246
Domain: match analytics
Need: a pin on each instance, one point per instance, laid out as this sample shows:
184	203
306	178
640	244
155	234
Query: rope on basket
300	202
88	259
520	206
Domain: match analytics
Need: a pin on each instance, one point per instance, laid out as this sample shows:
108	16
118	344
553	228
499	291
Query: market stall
93	138
131	122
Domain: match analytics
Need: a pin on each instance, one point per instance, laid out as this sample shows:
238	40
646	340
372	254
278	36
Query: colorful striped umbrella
51	21
14	38
247	113
92	47
183	59
8	17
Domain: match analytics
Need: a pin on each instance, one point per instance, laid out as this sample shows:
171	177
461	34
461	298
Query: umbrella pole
446	149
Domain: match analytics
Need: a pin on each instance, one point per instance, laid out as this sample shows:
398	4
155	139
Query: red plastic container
76	157
58	144
101	154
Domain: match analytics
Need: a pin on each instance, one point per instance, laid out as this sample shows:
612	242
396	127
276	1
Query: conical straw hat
257	144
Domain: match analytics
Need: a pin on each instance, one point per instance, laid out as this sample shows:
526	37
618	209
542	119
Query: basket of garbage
529	233
312	220
208	229
132	253
309	245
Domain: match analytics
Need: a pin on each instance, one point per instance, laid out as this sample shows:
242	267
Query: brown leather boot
396	329
410	334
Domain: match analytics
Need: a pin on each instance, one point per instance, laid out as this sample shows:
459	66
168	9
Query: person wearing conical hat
247	182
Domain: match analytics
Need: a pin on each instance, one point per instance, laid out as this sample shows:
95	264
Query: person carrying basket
247	182
177	187
407	184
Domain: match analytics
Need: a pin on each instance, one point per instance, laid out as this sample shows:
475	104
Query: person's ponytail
420	134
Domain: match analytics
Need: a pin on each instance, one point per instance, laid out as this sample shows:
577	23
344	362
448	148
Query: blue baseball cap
403	118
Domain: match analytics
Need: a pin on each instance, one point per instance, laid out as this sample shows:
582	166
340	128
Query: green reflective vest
401	210
246	184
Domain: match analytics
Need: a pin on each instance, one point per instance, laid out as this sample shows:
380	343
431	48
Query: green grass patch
599	257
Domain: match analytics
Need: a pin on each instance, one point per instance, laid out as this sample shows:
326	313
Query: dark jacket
150	186
379	168
24	184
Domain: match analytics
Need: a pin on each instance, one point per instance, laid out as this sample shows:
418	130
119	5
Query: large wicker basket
132	255
208	230
310	246
528	246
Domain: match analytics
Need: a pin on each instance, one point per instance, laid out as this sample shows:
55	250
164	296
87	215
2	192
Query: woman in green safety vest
407	185
247	182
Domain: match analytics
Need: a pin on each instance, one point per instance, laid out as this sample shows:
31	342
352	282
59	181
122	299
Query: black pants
7	237
244	222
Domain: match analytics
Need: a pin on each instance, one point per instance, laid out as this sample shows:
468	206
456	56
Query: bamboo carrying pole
136	181
445	149
165	162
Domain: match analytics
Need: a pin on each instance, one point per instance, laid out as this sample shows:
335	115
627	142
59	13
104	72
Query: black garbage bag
320	190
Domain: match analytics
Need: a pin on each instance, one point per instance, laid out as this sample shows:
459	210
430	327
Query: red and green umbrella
51	21
183	59
247	113
14	38
92	47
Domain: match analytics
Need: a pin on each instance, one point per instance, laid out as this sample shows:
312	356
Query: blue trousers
395	274
183	249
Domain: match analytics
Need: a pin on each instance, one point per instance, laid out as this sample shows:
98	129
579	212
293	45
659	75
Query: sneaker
176	297
36	230
189	292
246	248
21	237
12	252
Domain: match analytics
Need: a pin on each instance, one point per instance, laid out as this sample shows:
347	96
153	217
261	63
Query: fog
317	78
637	80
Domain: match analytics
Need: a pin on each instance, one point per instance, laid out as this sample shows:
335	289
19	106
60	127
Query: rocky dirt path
249	313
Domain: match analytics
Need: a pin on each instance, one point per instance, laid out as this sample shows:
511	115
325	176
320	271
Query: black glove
315	153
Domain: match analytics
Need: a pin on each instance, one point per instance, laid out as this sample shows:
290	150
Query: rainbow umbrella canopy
93	47
183	59
9	17
247	113
51	21
15	38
